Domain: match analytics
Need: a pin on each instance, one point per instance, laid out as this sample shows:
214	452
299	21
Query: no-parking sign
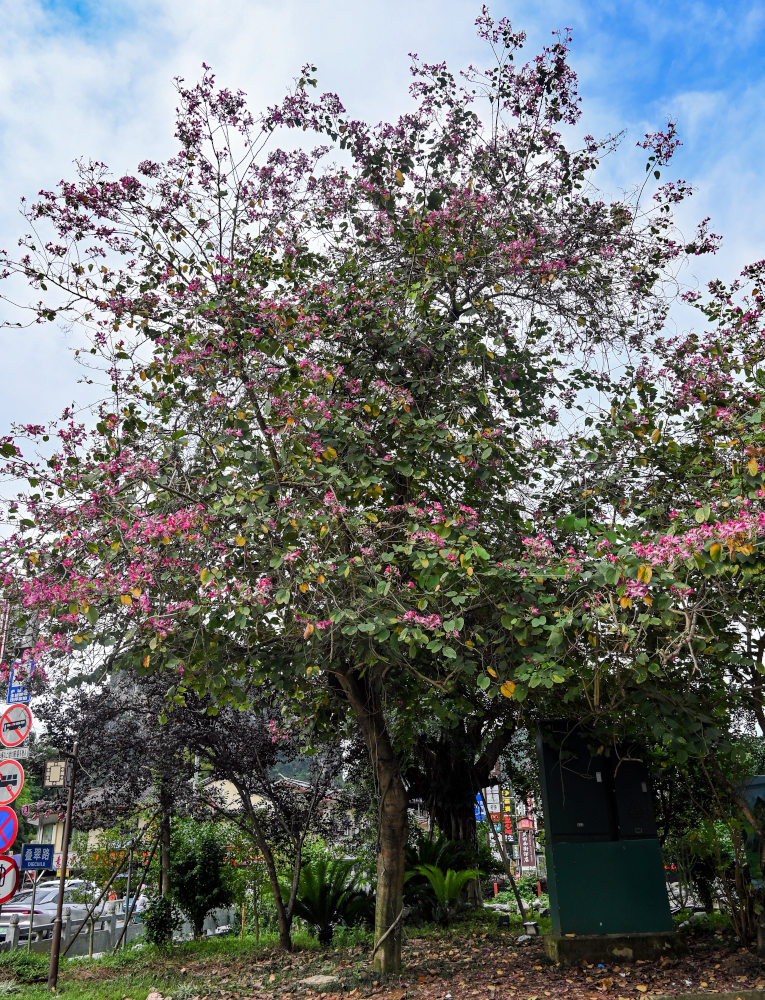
9	827
9	878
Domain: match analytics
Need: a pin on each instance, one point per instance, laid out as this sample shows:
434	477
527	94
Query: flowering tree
337	392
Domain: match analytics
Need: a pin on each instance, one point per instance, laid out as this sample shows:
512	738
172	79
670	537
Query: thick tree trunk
393	823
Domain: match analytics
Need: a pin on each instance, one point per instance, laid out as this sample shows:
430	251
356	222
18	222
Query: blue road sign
479	810
37	857
18	690
9	826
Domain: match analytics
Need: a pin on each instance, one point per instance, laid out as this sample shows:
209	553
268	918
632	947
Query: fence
99	935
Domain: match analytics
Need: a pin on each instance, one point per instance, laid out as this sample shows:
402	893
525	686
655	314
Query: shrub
445	886
160	920
327	894
199	882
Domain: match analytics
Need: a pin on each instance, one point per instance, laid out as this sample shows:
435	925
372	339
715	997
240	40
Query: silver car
78	896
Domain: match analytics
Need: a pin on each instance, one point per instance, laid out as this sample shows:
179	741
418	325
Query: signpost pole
55	947
36	876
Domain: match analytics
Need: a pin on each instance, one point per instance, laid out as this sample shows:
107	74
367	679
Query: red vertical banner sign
528	854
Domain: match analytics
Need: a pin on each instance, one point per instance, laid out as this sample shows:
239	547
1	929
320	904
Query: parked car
79	896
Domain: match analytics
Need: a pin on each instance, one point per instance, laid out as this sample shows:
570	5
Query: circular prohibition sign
9	878
11	781
9	827
15	724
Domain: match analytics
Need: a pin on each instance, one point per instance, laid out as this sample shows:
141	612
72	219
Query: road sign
19	753
9	878
37	857
15	725
11	781
9	826
18	689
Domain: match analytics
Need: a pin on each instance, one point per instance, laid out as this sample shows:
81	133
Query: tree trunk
164	840
393	821
283	918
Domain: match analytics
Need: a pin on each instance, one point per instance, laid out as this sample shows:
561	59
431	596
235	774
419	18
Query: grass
136	971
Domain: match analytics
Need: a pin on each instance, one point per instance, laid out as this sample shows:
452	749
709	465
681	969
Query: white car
78	896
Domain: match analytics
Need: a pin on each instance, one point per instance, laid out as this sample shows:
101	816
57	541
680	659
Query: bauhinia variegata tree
335	397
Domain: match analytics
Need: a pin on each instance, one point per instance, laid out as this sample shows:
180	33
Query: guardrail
101	933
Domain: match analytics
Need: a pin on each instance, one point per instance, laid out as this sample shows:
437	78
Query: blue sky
94	79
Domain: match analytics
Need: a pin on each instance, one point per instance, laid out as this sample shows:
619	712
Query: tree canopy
355	389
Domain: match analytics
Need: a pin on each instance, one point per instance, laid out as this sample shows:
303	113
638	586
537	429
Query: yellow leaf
507	689
303	588
399	178
34	558
491	671
320	578
752	467
715	551
470	571
647	599
126	599
461	458
656	435
323	530
116	546
241	540
626	602
308	631
641	988
147	660
136	591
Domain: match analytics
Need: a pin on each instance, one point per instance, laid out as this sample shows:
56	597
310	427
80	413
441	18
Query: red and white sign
9	878
11	781
15	725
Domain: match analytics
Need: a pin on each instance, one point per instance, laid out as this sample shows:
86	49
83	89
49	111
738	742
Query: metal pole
55	946
35	879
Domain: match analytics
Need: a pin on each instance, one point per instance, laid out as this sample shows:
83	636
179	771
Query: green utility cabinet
605	871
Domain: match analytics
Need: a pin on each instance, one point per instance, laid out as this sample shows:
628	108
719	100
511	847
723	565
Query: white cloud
100	86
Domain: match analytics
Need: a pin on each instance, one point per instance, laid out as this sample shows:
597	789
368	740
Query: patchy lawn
470	959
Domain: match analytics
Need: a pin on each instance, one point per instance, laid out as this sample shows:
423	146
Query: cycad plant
327	894
446	886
